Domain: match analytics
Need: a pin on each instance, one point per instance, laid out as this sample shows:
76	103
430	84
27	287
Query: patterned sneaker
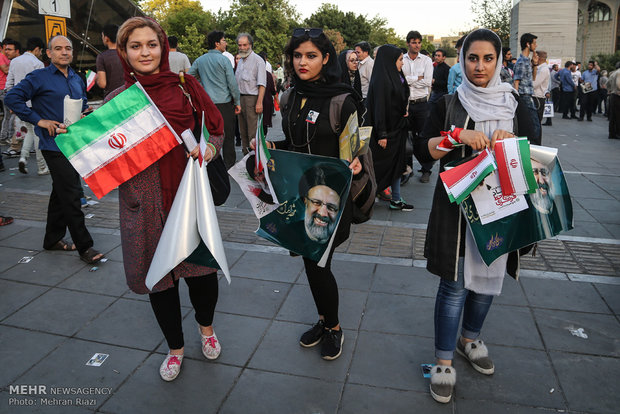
171	367
385	195
332	344
400	205
314	335
443	379
211	347
478	356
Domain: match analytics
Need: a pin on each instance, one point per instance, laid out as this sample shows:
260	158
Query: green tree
354	28
380	34
607	62
159	9
450	51
192	43
336	39
428	46
494	15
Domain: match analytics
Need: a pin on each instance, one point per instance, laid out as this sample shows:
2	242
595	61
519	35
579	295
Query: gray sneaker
478	356
443	379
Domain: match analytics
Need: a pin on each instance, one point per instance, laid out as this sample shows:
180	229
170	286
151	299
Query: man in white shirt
541	83
418	71
179	62
366	63
20	67
251	77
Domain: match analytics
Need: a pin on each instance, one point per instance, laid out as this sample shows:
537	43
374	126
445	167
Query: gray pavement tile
299	307
20	349
280	351
361	399
606	216
464	406
105	242
522	376
59	311
603	332
512	293
66	367
405	280
581	216
260	392
511	325
9	257
611	295
15	295
233	255
268	266
386	360
589	229
566	295
108	279
46	268
381	211
10	230
595	204
418	215
199	388
399	314
115	254
129	323
252	297
238	336
29	239
613	230
589	382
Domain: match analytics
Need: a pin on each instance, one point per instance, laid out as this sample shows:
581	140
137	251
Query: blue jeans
396	190
452	300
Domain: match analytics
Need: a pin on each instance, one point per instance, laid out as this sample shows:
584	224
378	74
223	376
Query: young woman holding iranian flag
481	112
146	199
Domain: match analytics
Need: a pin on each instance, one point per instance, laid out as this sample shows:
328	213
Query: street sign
60	8
54	26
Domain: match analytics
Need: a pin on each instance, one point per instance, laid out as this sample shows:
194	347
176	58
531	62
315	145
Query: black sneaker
426	176
314	335
332	344
400	205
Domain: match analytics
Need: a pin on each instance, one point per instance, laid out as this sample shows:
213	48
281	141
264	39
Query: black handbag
409	145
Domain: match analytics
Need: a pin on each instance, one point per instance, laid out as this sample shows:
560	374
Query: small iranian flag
463	179
204	138
263	156
118	140
514	166
90	79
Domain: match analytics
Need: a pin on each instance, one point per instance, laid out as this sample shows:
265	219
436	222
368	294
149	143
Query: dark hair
527	38
459	43
424	52
214	37
6	41
568	64
325	47
591	61
263	55
365	46
110	30
15	43
33	42
443	52
173	42
321	174
505	52
413	35
577	63
484	35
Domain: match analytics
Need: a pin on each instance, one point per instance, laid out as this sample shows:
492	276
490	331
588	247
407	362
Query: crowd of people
414	103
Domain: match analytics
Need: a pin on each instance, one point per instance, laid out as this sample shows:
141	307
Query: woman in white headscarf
481	112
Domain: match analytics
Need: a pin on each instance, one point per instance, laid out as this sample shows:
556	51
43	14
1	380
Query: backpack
364	185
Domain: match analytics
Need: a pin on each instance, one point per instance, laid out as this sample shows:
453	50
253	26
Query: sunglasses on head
313	33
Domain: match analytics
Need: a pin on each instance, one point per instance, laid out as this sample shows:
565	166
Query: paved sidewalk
554	336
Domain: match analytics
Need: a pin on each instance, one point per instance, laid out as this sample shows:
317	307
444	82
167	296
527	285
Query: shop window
598	12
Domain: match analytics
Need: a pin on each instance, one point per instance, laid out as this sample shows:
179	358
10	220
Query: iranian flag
90	79
464	178
514	166
118	140
263	156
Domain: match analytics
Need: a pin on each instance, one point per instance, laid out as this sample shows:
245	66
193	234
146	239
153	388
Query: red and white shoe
171	367
211	347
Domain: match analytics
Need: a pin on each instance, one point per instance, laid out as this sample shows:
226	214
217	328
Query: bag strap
335	109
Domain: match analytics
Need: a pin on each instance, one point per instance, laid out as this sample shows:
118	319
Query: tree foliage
607	62
192	42
337	40
381	34
494	15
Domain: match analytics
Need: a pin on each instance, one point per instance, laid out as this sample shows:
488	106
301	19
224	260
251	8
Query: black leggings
203	292
324	290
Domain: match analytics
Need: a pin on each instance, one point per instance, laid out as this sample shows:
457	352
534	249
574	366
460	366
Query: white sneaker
45	171
211	347
171	367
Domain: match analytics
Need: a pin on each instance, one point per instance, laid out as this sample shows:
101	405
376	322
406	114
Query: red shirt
3	61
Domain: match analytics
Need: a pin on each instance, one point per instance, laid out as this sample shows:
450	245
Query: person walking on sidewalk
485	108
146	199
313	63
387	113
46	88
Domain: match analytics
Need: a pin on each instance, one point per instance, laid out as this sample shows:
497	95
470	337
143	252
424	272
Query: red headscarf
164	90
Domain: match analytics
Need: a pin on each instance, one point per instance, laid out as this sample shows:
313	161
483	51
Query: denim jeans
452	300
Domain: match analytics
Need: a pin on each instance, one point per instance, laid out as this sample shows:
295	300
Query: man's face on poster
322	206
542	199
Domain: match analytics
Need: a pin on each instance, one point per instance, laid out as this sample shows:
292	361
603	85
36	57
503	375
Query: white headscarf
492	107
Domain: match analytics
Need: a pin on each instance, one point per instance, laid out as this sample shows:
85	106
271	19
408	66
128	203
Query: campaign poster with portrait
254	185
313	191
549	212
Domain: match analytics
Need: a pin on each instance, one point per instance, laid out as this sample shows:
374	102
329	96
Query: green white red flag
461	180
90	79
514	166
263	156
118	140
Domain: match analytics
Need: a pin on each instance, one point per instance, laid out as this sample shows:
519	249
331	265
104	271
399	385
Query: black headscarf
386	83
346	76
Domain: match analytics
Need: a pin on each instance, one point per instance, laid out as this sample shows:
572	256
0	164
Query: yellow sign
55	26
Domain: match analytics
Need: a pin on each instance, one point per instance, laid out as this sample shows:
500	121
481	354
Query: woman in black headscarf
350	75
387	111
312	63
